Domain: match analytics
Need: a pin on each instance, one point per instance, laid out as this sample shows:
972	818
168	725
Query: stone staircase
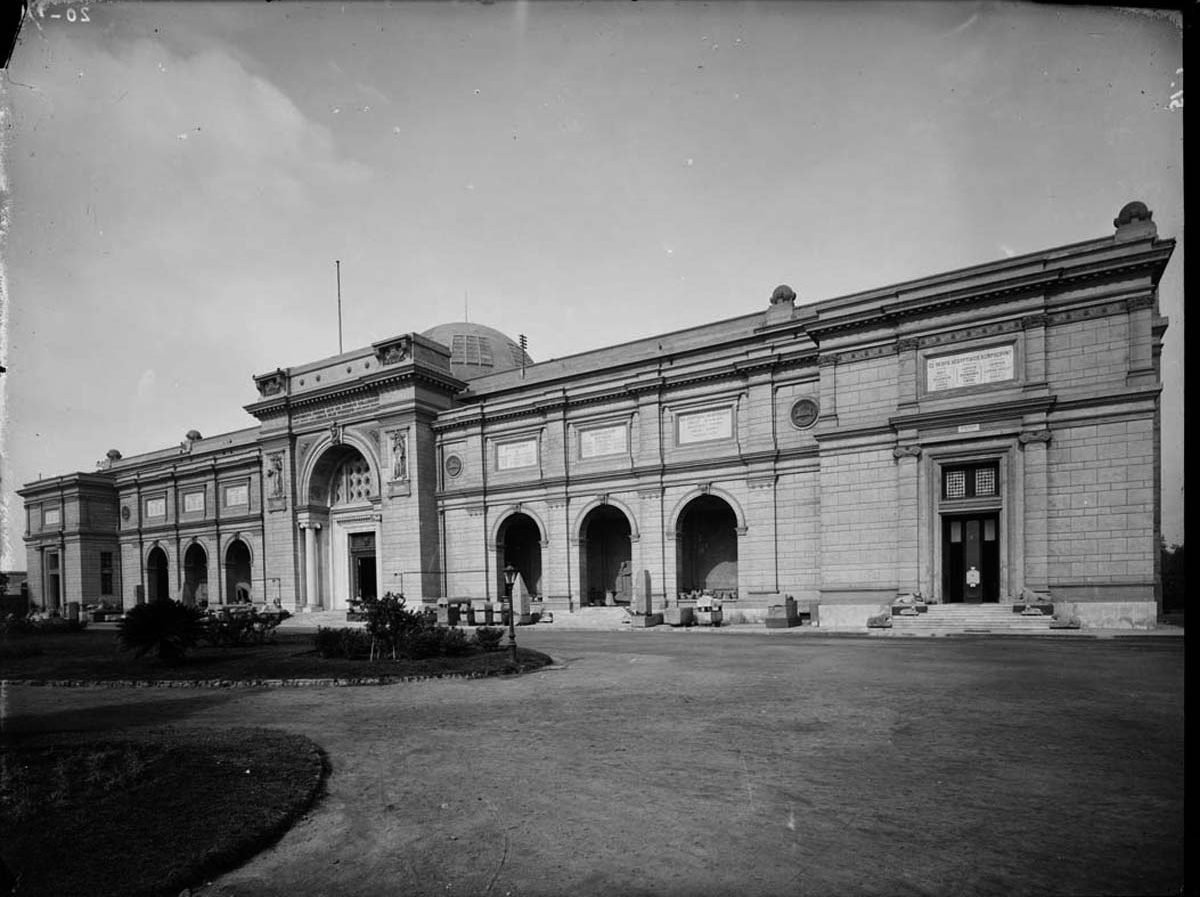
329	619
593	618
967	618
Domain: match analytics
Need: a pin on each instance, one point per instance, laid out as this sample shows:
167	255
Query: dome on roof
476	350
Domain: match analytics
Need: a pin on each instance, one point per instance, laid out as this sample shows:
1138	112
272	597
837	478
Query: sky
179	179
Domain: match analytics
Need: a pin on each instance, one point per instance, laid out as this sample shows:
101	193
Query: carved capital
1030	321
826	361
1139	302
1034	436
907	344
906	451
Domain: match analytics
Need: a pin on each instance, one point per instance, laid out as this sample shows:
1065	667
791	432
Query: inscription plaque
514	455
969	369
704	426
596	442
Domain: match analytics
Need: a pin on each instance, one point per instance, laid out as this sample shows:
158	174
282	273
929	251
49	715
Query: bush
488	637
347	642
164	626
425	642
389	622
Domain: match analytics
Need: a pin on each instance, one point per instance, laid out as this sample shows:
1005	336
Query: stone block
679	616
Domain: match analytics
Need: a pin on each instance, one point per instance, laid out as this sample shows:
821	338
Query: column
908	519
312	591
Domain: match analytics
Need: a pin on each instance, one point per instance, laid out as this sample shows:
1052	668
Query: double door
971	558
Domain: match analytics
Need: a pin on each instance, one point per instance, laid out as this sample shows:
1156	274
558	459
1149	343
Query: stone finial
1134	222
783	295
193	436
113	455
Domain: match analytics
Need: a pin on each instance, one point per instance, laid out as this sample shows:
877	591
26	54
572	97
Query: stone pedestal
679	616
645	621
783	616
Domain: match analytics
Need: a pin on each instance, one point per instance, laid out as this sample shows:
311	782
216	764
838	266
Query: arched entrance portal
342	539
158	577
519	543
237	573
605	555
706	549
195	575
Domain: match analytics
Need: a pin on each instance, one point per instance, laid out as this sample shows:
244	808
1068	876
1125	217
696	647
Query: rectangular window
970	481
237	496
51	516
193	502
106	573
156	507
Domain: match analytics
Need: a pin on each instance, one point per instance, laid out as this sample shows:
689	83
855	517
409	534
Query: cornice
1052	279
973	413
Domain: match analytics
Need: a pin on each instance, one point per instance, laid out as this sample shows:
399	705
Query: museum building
975	436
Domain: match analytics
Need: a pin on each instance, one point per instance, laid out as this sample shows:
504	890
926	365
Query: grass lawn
95	655
147	812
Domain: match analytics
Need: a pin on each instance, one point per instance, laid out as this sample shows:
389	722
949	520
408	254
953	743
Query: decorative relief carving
275	474
1034	436
399	442
1030	321
1138	302
302	448
271	384
705	488
336	431
908	344
827	361
393	351
1091	311
906	451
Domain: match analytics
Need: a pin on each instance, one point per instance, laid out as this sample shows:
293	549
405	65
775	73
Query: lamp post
510	578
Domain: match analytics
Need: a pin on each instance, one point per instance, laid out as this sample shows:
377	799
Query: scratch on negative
749	788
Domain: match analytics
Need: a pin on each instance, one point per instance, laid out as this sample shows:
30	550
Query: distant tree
3	583
1173	577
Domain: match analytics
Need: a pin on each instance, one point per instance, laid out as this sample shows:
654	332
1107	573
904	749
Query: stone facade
971	436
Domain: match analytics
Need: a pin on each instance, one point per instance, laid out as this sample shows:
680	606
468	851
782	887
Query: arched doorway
195	575
344	499
158	576
519	543
237	573
605	555
706	549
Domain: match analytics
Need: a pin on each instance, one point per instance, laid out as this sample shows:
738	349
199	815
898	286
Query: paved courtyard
694	763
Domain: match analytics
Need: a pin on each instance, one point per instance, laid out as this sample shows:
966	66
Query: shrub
426	642
347	642
454	643
164	626
389	622
488	637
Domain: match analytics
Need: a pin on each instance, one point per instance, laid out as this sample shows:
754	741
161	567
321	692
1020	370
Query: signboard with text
969	368
704	426
596	442
513	455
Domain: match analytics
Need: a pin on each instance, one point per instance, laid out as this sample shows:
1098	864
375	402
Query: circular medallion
804	413
454	465
125	512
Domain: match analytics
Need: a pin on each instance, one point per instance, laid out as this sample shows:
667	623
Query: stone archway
158	575
341	528
519	543
605	557
195	575
238	573
706	547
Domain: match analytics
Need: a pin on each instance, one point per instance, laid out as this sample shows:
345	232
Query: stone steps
970	618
